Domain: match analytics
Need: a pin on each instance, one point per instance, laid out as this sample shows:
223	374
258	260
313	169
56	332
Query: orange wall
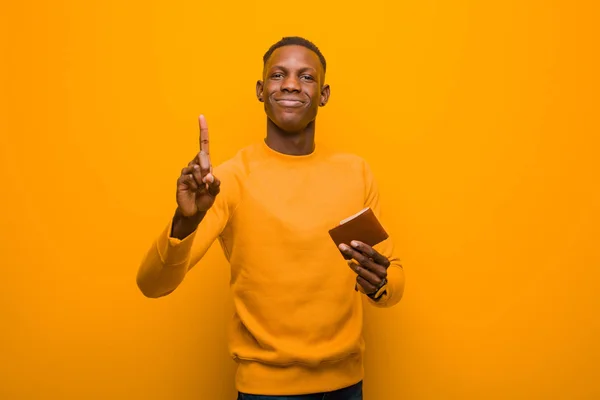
480	121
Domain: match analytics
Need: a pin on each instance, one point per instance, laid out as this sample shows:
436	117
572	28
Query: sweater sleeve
395	272
169	259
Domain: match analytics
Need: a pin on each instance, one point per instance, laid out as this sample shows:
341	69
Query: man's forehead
292	55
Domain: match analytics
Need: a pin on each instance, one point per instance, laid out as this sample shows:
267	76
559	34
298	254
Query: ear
325	92
259	91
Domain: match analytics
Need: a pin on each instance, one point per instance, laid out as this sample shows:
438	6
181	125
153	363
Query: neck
291	143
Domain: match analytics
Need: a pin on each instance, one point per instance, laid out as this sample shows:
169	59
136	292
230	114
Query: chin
290	121
290	126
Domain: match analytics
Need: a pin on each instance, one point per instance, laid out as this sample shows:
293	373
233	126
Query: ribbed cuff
173	251
394	290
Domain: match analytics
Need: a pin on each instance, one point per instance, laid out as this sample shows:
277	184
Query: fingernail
196	167
354	243
343	247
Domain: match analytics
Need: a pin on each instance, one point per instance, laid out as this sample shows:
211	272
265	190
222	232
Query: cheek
268	90
316	96
316	100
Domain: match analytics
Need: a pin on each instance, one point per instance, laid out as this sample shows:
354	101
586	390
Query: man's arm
169	258
379	264
200	218
185	240
165	265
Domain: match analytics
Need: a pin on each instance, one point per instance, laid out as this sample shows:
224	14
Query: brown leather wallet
362	226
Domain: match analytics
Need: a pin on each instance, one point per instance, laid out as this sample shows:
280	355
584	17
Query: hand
370	266
197	187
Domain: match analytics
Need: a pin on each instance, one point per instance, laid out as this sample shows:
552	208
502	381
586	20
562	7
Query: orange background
480	120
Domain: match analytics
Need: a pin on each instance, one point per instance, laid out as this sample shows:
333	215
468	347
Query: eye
276	75
308	77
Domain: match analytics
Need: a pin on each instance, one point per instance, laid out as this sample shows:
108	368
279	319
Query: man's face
293	87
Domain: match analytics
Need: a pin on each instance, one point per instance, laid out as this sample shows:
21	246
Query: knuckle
213	191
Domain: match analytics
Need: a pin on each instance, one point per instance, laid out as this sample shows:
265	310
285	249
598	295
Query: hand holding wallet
364	227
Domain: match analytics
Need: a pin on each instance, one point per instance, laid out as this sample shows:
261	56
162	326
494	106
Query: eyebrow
286	69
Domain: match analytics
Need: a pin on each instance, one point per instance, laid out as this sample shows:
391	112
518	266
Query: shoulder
354	162
232	173
239	164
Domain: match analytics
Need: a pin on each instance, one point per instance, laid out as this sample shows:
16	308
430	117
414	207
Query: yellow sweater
297	326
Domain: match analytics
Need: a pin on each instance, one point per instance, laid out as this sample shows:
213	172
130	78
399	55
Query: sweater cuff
394	290
173	251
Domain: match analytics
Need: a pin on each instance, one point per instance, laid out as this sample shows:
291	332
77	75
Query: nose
290	84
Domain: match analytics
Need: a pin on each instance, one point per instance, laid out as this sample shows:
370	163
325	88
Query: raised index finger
203	135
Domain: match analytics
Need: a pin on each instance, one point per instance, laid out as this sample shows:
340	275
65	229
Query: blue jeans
353	392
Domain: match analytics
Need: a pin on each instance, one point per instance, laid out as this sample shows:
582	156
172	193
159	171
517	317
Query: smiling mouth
290	103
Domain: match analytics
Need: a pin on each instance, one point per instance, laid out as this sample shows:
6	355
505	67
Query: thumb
214	187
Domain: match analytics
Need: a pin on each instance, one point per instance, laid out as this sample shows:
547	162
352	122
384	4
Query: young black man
297	325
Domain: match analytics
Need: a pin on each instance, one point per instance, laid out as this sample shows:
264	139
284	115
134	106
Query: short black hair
298	41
